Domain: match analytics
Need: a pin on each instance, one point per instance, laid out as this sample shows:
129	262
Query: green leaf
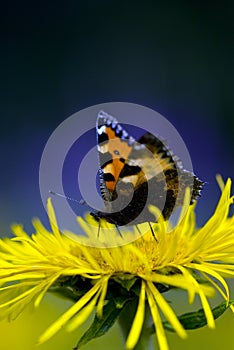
72	287
120	301
193	320
101	325
126	281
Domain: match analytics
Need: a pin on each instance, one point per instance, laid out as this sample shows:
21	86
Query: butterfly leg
139	231
119	232
152	231
99	228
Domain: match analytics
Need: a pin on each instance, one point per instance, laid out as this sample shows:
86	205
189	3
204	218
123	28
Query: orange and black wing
134	174
177	179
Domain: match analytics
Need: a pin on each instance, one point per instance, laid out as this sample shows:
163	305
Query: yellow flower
195	260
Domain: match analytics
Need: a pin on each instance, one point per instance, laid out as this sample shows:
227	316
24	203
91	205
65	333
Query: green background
25	331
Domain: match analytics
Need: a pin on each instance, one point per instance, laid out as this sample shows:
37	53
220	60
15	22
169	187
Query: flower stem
126	317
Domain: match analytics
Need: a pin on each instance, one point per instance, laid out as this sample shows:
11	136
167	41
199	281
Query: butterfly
135	174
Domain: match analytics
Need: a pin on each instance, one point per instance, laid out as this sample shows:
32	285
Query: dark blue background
174	56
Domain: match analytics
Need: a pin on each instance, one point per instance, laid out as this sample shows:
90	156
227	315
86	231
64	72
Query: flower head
108	279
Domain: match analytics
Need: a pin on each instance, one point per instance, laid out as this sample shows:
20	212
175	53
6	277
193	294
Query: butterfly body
134	174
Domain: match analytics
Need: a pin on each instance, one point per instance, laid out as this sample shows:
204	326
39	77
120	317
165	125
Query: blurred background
58	58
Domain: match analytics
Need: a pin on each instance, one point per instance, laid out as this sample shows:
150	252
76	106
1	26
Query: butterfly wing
135	173
114	146
177	179
120	174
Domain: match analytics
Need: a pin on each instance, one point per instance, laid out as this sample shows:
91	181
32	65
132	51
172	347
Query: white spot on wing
101	129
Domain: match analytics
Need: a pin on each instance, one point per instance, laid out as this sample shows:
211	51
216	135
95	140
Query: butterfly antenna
152	231
81	202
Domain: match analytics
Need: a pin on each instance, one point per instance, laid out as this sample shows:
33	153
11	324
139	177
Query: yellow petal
136	328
